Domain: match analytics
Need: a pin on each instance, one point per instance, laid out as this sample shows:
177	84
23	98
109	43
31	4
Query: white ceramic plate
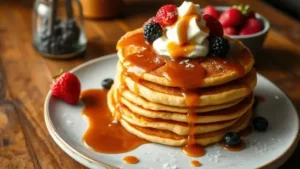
267	150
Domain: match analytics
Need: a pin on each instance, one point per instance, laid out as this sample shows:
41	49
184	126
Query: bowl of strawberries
242	23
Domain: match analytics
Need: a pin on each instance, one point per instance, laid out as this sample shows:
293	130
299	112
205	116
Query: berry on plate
231	17
219	46
152	31
210	10
260	123
251	26
167	15
230	31
215	27
232	139
66	87
107	83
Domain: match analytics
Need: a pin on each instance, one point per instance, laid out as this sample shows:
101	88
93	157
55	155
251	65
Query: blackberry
232	139
219	46
152	31
260	123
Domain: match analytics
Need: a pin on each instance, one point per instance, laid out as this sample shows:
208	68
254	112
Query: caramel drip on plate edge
195	163
108	136
131	160
102	135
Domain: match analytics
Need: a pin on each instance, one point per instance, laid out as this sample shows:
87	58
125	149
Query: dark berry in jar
107	83
219	46
152	31
260	123
232	139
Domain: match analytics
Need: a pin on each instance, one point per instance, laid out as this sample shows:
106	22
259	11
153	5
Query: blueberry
107	83
44	46
58	22
260	123
232	139
70	37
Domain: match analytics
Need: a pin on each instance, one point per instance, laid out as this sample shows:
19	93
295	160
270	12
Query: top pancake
217	71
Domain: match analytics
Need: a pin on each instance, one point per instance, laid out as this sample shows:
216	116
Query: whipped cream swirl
187	37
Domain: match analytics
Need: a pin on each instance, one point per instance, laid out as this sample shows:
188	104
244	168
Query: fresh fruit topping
167	15
230	31
66	87
215	27
260	123
232	139
219	46
152	19
251	26
210	10
245	10
152	31
231	17
107	83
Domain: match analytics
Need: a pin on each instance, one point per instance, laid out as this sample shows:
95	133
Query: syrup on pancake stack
180	82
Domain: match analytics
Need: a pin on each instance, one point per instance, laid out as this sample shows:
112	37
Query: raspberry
219	46
152	31
167	15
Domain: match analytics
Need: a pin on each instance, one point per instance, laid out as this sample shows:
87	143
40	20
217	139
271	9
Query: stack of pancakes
150	105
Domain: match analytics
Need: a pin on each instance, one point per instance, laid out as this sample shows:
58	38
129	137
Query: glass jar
58	28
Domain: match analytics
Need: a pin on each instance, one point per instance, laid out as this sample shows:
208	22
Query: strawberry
215	27
230	31
67	88
231	17
152	19
211	11
167	15
250	14
245	10
251	26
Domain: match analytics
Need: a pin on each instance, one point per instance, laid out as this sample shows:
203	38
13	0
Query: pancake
182	128
208	117
129	96
228	92
179	128
181	101
217	71
172	139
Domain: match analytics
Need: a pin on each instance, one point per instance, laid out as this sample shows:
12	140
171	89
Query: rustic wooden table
25	76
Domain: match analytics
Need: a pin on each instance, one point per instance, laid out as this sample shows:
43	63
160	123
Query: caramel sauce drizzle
178	51
195	163
183	24
239	147
131	160
102	135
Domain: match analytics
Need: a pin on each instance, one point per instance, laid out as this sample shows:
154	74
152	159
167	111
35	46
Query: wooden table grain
25	76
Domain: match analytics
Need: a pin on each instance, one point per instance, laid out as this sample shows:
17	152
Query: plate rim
55	134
